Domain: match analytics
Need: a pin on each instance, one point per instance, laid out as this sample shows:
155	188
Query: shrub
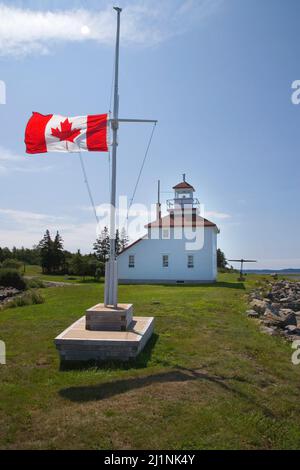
35	284
30	297
12	278
12	263
98	273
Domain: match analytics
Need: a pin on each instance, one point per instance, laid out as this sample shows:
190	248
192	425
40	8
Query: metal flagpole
111	275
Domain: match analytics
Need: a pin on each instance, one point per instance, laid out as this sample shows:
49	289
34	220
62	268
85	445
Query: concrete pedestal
105	333
101	318
77	343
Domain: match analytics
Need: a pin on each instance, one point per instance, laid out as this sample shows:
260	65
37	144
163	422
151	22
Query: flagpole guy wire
88	187
142	167
111	276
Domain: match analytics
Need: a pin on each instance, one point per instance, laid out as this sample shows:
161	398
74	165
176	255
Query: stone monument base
101	318
78	343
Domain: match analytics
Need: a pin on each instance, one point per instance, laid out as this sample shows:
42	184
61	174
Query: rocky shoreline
277	307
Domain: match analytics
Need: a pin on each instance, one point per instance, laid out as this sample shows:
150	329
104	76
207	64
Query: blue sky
216	74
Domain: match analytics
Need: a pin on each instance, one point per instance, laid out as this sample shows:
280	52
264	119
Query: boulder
288	317
252	314
7	292
278	308
267	330
295	305
292	330
259	306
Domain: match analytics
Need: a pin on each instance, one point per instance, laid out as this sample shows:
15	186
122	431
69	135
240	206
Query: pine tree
117	242
221	259
58	253
101	246
46	251
124	240
77	264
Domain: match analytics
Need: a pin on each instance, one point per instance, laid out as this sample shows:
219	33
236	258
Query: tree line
50	254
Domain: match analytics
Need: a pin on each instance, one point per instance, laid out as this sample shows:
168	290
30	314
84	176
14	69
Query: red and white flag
55	133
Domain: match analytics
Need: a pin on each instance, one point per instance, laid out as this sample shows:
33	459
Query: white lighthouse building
179	248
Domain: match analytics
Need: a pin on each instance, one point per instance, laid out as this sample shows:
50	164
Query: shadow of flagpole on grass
180	374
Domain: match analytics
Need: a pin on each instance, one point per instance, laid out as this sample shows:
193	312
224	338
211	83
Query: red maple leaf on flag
65	132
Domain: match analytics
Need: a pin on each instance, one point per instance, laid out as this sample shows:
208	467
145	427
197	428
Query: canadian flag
55	133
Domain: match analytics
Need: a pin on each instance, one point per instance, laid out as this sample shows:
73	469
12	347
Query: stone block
101	318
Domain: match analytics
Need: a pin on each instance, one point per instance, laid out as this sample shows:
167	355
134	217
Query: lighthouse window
165	261
190	263
131	261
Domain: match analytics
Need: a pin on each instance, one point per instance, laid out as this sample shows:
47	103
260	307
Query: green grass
208	379
35	271
32	270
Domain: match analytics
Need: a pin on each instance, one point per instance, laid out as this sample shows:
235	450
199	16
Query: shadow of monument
108	390
140	362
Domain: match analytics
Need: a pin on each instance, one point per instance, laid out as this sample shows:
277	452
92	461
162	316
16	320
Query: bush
12	263
12	278
35	284
31	297
99	273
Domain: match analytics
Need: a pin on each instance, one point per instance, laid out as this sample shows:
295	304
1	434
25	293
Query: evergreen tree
46	251
5	253
117	242
101	246
124	240
58	253
77	264
221	259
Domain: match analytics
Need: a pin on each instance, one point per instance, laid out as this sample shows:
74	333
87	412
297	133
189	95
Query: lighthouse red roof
184	185
181	220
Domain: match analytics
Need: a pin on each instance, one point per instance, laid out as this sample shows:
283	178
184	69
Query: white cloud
77	236
30	217
25	228
24	31
8	155
217	215
13	162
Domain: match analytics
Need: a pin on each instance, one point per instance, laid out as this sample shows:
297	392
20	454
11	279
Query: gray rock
295	305
252	314
292	329
259	306
278	308
288	317
267	330
7	292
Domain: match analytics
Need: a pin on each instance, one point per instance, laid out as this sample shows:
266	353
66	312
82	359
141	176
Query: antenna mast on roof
158	192
158	205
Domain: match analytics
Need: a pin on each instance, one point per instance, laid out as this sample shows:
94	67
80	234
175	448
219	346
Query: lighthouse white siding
150	257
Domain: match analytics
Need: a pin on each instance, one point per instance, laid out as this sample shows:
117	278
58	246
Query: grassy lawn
36	272
208	380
